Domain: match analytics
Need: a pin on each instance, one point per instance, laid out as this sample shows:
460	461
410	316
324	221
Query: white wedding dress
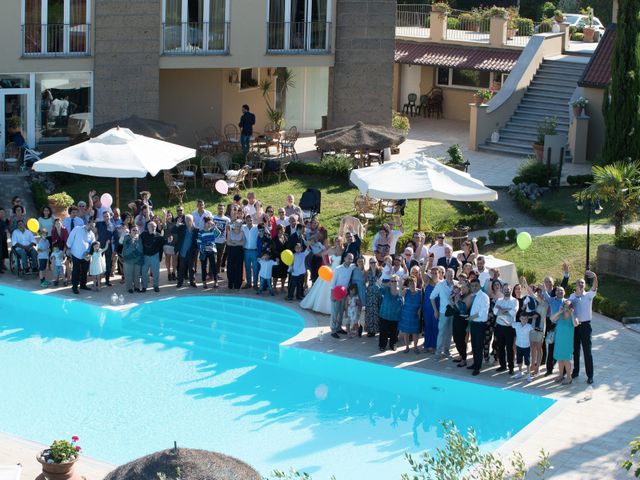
318	298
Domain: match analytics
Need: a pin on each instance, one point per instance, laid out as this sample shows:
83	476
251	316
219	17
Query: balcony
56	40
298	37
195	38
413	21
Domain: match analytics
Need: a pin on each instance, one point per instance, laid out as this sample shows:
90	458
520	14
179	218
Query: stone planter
539	151
58	471
618	262
58	210
588	34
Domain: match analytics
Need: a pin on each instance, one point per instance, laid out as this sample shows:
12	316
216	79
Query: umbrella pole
419	214
117	192
135	188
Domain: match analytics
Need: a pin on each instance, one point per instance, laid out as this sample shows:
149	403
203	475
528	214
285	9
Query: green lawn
337	198
545	257
562	199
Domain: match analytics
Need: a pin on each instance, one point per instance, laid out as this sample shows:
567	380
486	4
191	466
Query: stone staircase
548	95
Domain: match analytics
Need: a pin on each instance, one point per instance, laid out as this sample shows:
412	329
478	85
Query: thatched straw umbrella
141	126
190	463
359	137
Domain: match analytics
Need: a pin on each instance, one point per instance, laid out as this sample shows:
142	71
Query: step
557	111
514	144
566	71
536	119
553	102
553	83
567	92
548	96
496	148
557	76
566	66
508	136
515	123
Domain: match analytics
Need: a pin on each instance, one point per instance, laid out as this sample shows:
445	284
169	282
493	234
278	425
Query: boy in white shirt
57	260
266	267
523	346
297	272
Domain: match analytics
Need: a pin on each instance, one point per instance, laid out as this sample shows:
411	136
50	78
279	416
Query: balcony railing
298	37
56	39
413	20
195	38
467	27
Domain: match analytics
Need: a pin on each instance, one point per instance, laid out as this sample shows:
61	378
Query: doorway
16	118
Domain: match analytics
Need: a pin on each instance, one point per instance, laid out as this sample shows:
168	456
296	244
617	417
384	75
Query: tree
621	105
635	455
617	185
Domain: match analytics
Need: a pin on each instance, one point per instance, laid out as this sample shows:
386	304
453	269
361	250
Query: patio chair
231	137
424	105
281	169
353	225
203	144
12	157
362	206
391	207
374	156
10	472
410	106
187	173
175	187
210	172
235	179
256	167
435	102
288	145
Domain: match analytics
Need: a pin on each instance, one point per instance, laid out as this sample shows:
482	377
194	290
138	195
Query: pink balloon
339	292
222	187
106	200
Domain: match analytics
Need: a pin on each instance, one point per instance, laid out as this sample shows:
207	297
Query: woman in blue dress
410	314
565	322
429	320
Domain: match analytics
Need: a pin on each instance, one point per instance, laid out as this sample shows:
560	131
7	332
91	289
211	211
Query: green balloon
524	240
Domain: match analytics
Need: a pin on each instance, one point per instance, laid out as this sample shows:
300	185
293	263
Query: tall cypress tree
622	96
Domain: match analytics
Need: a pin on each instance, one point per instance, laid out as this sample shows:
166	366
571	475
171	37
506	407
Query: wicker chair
236	180
210	172
362	206
175	187
281	169
231	137
12	157
256	167
434	106
288	145
187	173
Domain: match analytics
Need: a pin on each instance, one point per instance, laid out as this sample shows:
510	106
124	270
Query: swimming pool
208	372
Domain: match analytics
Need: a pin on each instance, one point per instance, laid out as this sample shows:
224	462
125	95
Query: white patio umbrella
418	178
117	153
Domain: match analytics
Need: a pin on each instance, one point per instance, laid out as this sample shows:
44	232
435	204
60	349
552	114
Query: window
298	25
249	78
63	106
466	78
196	26
55	27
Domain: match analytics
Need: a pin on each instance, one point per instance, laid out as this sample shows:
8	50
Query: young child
352	307
297	272
97	266
57	260
43	248
387	269
523	345
266	267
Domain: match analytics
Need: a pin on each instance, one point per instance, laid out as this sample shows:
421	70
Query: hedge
546	215
40	196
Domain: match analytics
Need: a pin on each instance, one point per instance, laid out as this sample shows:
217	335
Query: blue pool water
208	372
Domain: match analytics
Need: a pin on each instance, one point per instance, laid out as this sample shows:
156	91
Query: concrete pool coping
587	439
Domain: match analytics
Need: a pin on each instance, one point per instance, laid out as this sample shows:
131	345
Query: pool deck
587	438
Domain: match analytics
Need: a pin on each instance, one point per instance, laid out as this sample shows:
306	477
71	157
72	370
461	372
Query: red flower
74	438
78	448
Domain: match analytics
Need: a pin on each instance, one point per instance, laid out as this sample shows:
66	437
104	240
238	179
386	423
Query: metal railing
468	27
195	38
519	37
298	37
56	39
413	20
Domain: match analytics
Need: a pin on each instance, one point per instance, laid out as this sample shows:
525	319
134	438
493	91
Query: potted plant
499	12
588	30
481	96
558	16
512	27
441	7
456	158
401	123
579	106
469	22
58	461
547	127
59	203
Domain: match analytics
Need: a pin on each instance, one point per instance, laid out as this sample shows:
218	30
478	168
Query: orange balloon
325	273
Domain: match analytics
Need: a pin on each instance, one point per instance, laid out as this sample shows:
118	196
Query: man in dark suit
449	261
186	246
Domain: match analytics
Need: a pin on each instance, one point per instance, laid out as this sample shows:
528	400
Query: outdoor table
508	272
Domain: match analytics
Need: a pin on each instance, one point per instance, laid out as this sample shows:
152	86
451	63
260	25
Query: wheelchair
16	267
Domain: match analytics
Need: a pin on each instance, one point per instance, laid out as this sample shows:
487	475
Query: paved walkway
539	231
16	184
587	438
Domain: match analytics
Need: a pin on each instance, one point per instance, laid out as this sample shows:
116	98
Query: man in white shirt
72	221
250	208
505	310
23	243
291	208
438	248
199	214
478	316
250	252
221	221
79	242
582	309
341	278
442	292
483	273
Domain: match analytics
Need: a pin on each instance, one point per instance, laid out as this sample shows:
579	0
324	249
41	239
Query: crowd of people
423	290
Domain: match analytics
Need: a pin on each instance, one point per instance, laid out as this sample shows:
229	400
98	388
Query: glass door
16	119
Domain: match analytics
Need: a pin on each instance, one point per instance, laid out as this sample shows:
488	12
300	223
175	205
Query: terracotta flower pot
511	32
58	471
58	211
588	34
577	111
539	151
478	99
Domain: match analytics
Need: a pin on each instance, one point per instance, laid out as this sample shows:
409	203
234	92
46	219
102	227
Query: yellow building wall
233	98
456	103
596	133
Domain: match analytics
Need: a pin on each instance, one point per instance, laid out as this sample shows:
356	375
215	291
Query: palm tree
618	185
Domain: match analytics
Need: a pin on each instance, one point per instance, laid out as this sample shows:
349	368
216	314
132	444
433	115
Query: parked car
580	21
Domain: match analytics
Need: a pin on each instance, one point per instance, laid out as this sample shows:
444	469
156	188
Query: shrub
400	122
577	37
498	237
498	12
63	199
469	21
548	10
610	308
546	26
40	197
529	275
481	241
441	7
629	239
524	26
512	233
453	23
547	216
332	166
455	155
579	180
533	171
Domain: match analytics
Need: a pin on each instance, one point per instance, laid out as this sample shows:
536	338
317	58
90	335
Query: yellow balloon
287	257
325	273
33	225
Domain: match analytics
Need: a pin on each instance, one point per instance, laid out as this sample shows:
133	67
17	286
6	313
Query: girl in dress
372	298
410	314
352	307
97	267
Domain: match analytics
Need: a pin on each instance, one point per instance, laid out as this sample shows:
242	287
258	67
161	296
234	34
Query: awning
598	71
456	56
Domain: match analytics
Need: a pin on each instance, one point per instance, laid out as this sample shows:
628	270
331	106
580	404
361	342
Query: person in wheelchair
23	243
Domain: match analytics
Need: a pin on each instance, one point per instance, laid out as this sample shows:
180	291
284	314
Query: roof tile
598	71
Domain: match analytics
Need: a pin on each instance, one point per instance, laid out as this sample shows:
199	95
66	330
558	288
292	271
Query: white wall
411	75
307	101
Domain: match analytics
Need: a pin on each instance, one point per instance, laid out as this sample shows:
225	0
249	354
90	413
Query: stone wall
621	263
127	51
361	81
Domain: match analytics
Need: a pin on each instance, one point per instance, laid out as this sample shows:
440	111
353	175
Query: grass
545	257
337	198
562	199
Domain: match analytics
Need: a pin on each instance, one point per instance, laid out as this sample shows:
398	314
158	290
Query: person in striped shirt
206	243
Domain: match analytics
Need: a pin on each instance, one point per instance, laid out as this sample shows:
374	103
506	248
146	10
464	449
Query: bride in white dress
318	298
